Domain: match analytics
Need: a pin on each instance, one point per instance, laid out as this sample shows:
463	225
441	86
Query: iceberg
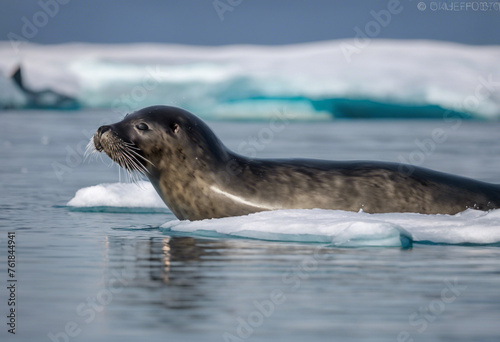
311	81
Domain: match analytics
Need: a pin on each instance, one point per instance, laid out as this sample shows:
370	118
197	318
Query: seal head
175	149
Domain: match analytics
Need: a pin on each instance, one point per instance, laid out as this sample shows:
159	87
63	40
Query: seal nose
97	137
101	130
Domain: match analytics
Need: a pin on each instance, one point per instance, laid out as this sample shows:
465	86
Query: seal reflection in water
199	178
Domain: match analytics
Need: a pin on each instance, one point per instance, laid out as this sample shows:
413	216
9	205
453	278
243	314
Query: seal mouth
124	153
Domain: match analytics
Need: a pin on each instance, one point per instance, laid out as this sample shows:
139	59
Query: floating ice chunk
124	195
333	227
467	227
342	228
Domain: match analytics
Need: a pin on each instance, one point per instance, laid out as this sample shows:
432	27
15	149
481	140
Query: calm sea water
86	276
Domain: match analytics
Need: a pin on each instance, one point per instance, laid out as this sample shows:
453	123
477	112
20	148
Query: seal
199	178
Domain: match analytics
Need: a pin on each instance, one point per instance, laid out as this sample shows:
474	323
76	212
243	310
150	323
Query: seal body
199	178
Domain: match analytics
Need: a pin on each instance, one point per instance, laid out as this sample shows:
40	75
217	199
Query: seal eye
142	126
175	128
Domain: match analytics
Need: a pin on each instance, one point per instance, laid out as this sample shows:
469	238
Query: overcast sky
247	21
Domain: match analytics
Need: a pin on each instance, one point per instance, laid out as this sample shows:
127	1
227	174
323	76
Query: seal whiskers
91	151
130	163
124	153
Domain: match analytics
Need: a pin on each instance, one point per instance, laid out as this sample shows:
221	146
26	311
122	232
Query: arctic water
102	259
